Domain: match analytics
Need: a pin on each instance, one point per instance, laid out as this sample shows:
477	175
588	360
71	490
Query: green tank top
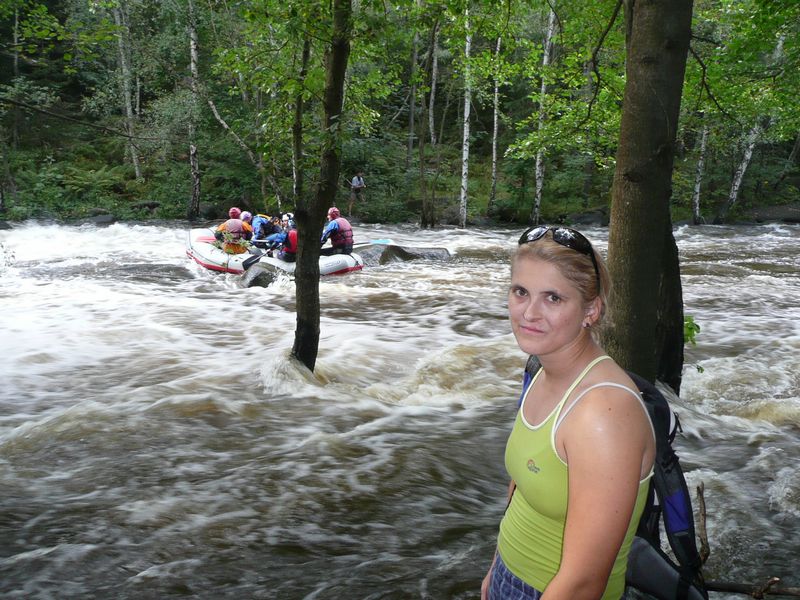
532	530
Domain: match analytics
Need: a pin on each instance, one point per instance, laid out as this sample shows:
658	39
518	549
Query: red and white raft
200	247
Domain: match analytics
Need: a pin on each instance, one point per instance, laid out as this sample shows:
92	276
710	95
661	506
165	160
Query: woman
580	454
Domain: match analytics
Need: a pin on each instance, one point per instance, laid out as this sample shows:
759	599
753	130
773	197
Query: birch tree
697	217
119	12
194	162
539	170
495	122
462	213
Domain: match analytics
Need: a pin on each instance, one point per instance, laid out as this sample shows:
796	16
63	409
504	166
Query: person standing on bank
341	233
581	451
357	186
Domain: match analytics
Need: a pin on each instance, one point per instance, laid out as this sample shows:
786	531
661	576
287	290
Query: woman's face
546	310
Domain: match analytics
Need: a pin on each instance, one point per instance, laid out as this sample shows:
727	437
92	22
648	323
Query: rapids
156	443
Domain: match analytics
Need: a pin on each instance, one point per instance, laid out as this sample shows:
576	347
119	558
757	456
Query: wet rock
259	275
381	254
783	213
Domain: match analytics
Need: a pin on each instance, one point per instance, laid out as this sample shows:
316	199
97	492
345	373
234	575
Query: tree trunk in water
462	213
669	317
495	124
297	126
123	48
311	215
539	171
434	76
697	218
738	176
642	258
193	210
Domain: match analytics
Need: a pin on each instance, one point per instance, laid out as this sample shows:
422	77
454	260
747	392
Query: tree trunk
738	176
15	110
539	171
697	218
434	76
193	210
669	340
495	123
123	48
790	162
639	248
428	213
462	213
589	165
297	125
311	215
412	99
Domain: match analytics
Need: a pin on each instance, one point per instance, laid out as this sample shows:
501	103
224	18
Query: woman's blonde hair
575	266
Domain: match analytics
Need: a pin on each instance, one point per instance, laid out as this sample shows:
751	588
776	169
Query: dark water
156	443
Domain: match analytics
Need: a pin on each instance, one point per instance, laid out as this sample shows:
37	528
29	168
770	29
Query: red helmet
333	213
246	216
234	212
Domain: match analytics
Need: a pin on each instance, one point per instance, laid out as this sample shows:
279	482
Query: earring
586	325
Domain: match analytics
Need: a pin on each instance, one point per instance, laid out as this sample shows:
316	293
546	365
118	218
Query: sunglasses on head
569	238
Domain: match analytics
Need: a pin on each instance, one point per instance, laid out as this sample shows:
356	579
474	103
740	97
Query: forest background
511	111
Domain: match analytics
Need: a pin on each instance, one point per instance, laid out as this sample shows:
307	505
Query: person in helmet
288	250
233	234
340	233
263	227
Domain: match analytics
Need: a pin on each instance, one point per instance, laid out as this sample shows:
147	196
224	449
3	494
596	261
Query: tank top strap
577	381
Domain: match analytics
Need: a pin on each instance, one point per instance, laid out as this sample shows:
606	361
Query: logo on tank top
532	466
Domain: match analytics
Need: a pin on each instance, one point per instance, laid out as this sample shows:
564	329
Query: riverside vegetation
134	108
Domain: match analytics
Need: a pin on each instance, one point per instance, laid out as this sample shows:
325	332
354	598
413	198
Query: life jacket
290	245
237	231
343	236
650	570
262	226
235	227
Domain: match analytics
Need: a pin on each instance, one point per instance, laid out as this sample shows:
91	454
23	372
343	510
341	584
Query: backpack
650	569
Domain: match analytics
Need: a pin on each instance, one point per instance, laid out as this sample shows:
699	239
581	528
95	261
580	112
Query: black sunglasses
569	238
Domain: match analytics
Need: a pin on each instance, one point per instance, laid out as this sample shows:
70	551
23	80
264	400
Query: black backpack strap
669	487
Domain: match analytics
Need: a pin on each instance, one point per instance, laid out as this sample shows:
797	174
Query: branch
75	120
236	137
704	85
593	62
755	591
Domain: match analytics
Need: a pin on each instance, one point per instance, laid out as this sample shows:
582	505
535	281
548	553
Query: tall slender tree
310	214
462	212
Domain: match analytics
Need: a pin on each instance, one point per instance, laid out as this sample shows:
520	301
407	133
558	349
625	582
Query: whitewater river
156	443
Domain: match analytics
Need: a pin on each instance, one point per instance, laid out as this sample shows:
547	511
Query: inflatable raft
201	248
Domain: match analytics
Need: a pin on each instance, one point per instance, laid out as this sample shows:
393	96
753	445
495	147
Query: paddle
250	261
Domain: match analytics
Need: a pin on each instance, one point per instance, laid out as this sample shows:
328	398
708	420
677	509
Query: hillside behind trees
163	109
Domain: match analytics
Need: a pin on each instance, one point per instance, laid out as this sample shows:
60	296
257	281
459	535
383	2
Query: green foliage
250	68
690	330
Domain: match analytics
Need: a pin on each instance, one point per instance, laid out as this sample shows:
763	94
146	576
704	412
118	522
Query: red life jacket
290	245
343	236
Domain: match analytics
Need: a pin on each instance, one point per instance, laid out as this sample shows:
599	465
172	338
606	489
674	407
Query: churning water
156	443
